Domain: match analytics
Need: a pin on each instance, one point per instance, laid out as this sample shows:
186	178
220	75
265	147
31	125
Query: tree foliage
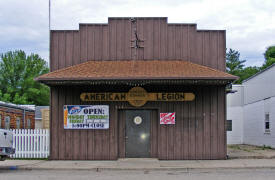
236	67
269	57
17	73
233	63
246	73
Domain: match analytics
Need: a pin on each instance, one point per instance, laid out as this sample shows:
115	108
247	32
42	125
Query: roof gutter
139	81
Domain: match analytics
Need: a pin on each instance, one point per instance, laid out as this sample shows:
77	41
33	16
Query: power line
49	31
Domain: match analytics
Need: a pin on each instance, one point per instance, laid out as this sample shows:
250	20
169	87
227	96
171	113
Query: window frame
7	116
227	125
267	121
16	120
28	123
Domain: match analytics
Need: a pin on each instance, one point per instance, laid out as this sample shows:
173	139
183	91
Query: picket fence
31	143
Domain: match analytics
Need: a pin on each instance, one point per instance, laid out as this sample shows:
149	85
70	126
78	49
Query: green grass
248	148
264	147
234	146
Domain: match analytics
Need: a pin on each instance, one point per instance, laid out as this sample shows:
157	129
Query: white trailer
6	141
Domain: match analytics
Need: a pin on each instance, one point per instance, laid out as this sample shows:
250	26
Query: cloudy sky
250	24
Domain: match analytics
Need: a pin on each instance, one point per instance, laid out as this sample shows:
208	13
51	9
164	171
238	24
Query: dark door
137	133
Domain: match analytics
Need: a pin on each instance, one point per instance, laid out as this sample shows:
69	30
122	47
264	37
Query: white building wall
235	113
260	87
38	124
254	123
247	108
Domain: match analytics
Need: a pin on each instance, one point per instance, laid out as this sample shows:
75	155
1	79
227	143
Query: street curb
98	169
9	168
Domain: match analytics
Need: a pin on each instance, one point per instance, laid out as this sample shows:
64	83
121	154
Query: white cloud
248	23
24	26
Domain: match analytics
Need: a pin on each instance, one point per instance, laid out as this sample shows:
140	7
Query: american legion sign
137	96
137	87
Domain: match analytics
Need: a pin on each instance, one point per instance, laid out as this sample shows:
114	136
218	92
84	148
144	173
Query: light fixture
137	120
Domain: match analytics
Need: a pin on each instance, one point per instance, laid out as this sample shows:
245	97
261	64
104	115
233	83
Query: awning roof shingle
136	70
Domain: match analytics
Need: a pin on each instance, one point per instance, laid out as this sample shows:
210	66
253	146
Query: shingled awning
136	70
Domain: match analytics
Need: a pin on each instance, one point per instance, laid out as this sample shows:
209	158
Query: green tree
269	57
246	73
17	73
234	65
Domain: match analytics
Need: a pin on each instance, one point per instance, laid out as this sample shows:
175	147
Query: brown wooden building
143	71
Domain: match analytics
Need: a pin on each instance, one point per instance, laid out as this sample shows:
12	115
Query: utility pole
49	31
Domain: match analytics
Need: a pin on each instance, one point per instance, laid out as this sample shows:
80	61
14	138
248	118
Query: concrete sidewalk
137	164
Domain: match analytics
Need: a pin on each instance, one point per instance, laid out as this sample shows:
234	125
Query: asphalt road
243	174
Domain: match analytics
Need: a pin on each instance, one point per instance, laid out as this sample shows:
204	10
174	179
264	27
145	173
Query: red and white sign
168	118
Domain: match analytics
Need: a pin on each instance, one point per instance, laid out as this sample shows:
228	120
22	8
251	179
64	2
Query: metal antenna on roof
136	41
132	19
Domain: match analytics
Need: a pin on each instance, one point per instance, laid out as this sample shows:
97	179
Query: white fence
31	143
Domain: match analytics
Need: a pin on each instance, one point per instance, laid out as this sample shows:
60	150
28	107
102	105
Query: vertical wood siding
199	124
199	132
162	41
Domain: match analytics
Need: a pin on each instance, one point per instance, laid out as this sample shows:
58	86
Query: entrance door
137	133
